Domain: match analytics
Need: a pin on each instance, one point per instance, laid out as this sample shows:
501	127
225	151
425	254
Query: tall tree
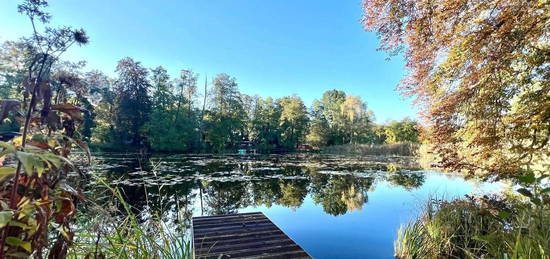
162	97
330	108
226	119
133	104
293	121
479	69
166	129
265	132
355	116
187	90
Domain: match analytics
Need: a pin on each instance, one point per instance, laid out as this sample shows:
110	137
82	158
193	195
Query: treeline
143	108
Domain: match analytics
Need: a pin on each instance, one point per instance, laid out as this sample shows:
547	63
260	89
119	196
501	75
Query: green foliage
225	122
327	120
482	227
264	128
132	103
13	58
402	131
170	128
293	121
339	119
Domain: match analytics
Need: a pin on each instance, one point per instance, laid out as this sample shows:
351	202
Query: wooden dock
244	235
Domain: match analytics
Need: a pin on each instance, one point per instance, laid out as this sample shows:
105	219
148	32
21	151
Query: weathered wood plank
245	235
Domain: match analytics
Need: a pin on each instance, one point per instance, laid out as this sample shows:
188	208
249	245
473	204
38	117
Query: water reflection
177	186
334	207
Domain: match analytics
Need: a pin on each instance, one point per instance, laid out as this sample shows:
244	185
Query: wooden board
244	235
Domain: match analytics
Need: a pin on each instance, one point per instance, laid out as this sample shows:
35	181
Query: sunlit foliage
480	70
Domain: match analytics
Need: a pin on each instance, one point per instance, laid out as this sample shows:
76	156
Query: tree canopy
480	71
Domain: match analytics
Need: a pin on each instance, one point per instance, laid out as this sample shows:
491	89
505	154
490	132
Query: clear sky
273	47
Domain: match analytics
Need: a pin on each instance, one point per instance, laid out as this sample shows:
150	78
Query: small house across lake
244	235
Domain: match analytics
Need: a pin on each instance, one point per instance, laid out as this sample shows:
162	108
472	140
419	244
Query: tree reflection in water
211	185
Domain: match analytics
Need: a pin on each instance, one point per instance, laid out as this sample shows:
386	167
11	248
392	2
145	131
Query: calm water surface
333	206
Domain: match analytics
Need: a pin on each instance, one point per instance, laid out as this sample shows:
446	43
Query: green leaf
6	171
14	241
504	215
30	161
545	190
528	178
5	217
52	159
8	148
20	224
525	192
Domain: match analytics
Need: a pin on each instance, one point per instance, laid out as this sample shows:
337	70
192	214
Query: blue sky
273	47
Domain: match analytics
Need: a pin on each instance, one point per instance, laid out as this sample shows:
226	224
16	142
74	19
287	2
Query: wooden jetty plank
244	235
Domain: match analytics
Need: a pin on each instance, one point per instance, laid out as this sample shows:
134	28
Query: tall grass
106	232
486	227
399	149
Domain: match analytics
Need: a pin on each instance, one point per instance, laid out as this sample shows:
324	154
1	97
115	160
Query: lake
333	206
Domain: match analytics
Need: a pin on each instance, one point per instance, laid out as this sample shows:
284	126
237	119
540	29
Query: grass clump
113	229
477	227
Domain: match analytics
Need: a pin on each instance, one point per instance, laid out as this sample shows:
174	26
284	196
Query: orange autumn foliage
480	70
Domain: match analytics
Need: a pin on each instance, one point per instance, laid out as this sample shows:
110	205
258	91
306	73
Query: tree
479	69
225	122
104	107
159	129
327	125
166	129
293	121
187	90
355	116
133	104
13	61
264	131
403	131
162	97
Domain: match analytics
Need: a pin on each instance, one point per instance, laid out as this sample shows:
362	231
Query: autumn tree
355	117
479	70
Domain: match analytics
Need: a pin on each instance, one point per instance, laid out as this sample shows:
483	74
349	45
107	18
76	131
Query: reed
107	232
398	149
482	227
